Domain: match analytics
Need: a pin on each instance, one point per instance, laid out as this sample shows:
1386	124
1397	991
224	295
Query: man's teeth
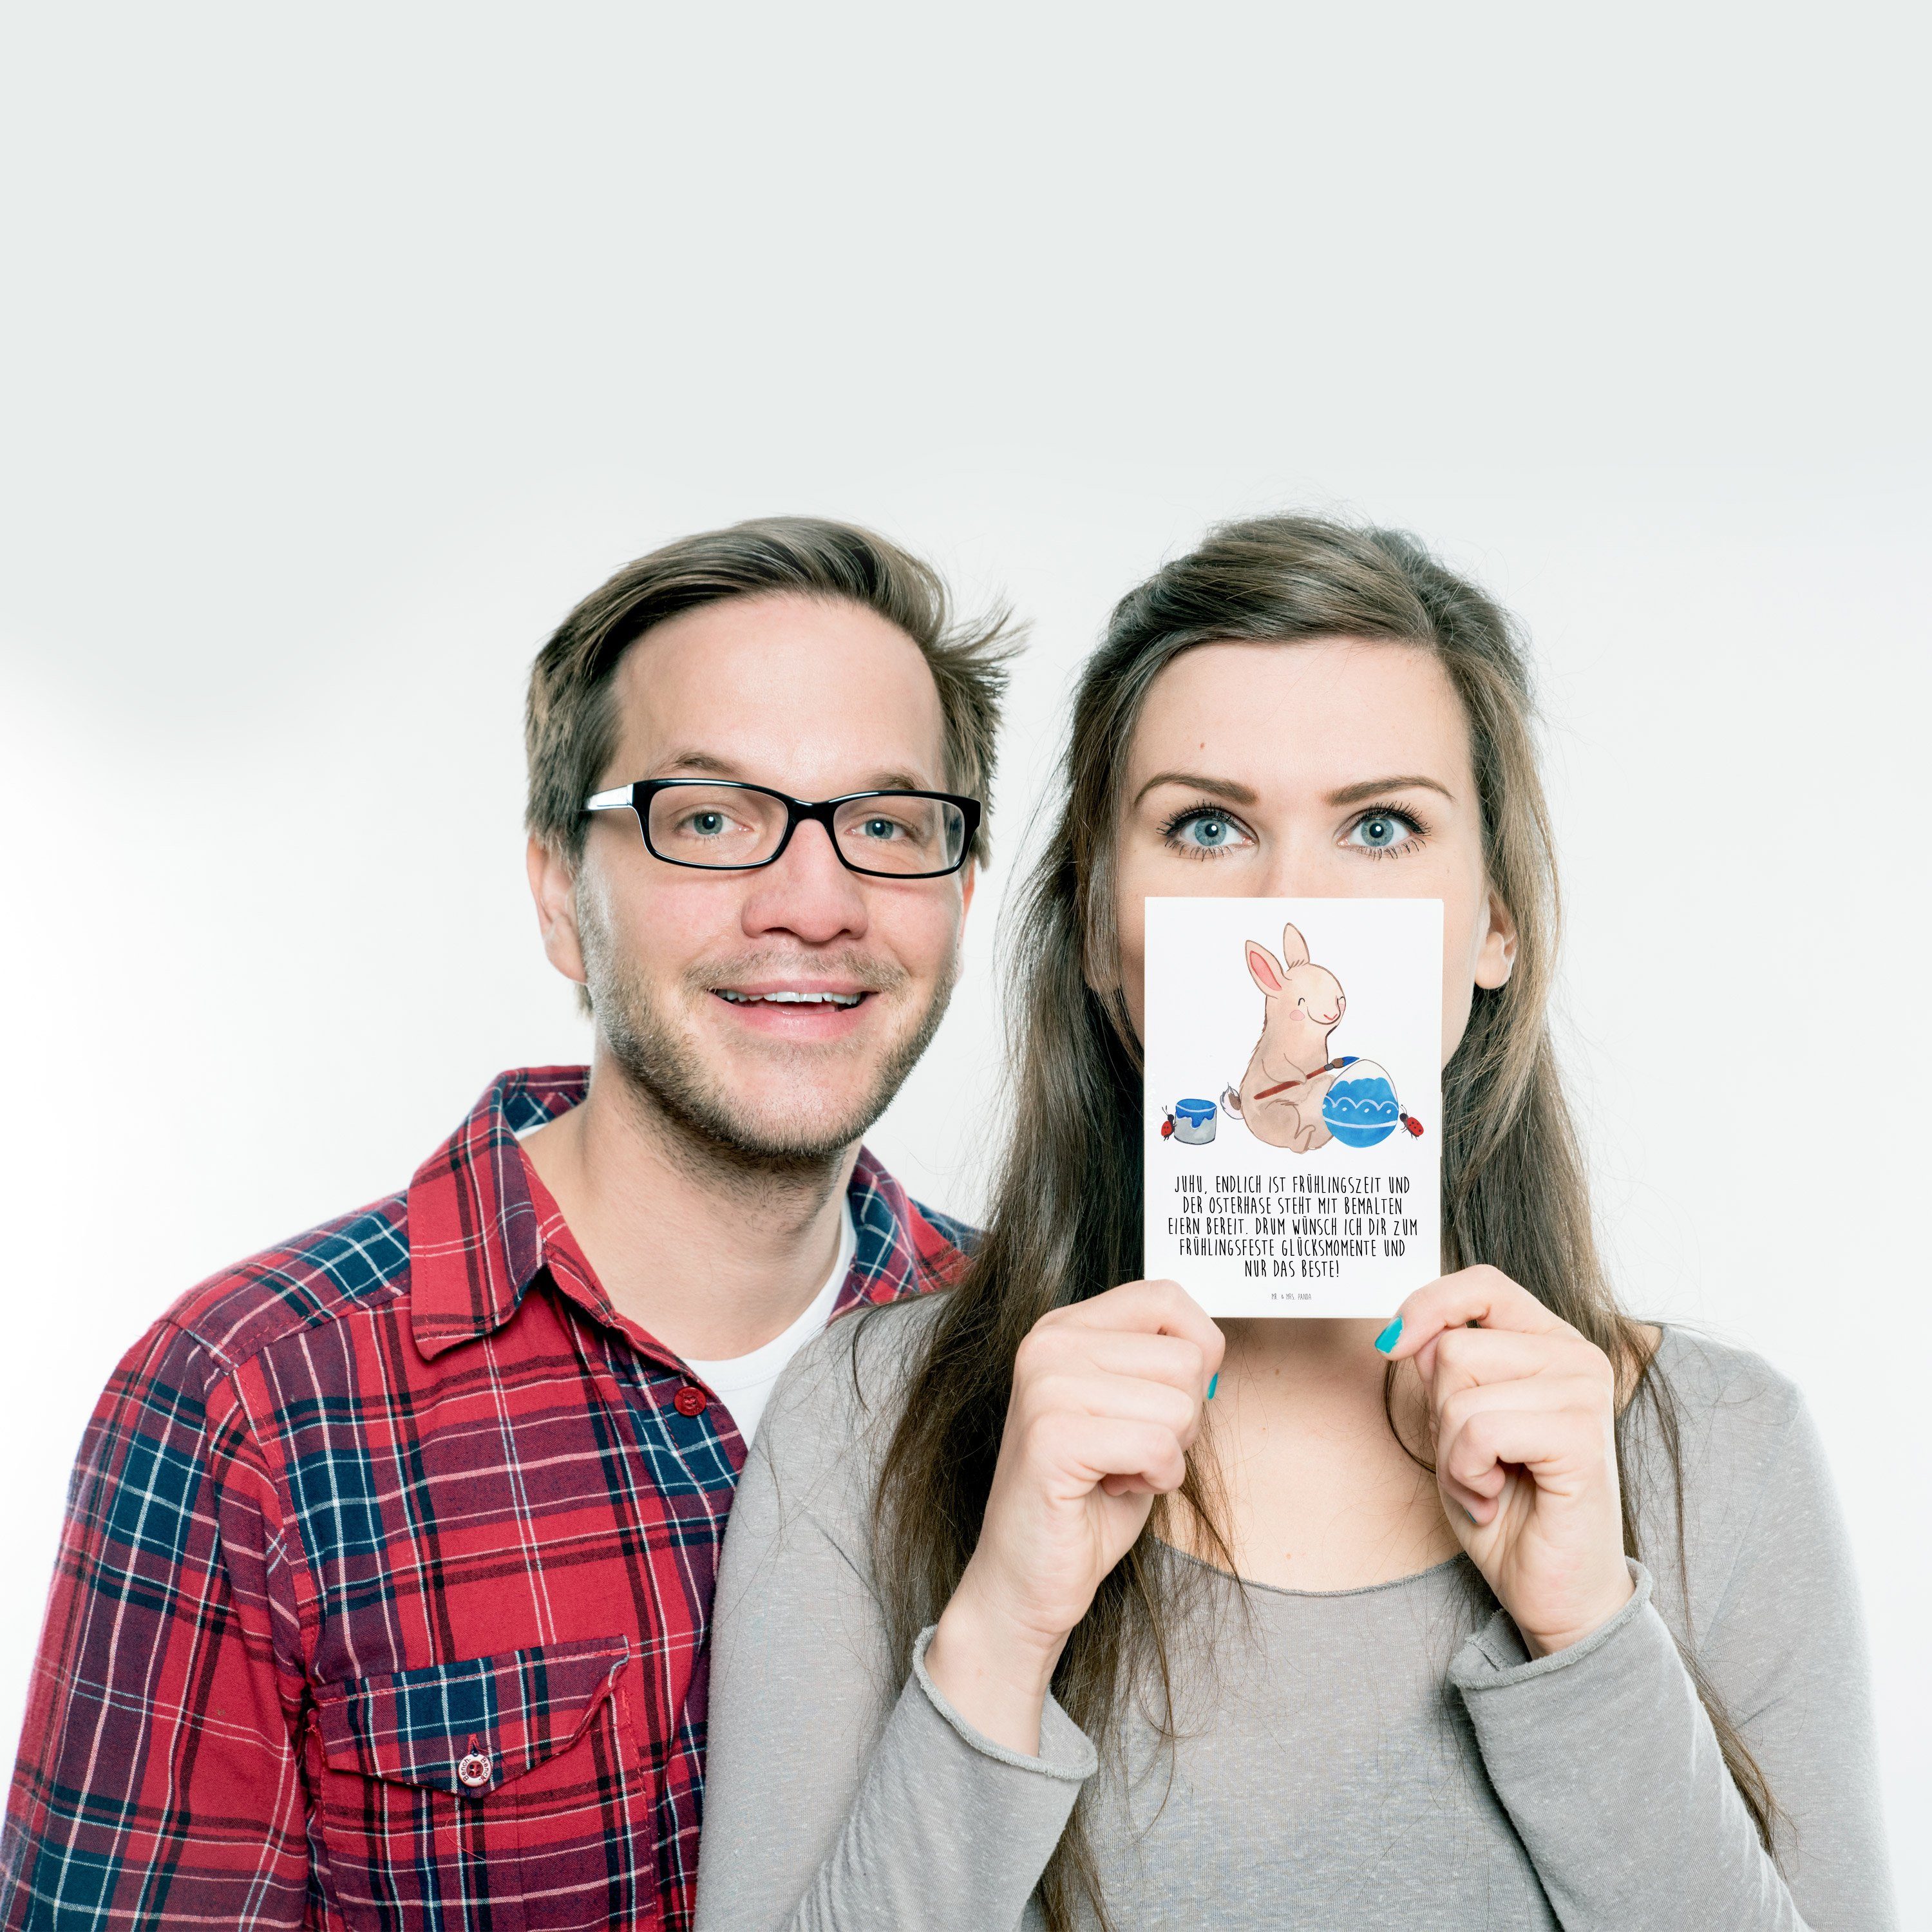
791	999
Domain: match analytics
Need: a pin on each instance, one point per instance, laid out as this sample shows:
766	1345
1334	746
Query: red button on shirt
690	1400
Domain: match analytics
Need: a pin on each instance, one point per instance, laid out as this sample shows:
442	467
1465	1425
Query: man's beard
663	1061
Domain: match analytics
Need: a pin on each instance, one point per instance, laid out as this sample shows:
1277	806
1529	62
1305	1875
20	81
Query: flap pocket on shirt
470	1727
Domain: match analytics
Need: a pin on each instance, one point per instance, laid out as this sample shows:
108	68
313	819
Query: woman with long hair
1520	1612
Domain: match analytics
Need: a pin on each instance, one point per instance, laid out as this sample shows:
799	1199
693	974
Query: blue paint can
1194	1121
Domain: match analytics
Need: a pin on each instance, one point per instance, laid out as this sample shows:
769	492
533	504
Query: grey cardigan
1387	1757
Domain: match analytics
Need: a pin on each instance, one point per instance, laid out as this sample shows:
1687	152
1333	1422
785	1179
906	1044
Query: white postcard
1293	1102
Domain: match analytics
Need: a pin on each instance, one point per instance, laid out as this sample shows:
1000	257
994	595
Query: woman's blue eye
1203	832
1380	830
1208	832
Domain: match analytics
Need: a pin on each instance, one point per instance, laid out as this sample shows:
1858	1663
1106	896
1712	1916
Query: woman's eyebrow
1355	794
1227	788
1237	793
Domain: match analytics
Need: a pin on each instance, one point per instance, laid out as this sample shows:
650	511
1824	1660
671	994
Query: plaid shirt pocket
487	1792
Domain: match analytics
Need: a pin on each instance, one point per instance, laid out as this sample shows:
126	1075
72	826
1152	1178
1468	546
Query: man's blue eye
879	828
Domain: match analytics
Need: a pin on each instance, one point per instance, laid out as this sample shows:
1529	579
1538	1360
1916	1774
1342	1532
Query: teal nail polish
1214	1383
1390	1336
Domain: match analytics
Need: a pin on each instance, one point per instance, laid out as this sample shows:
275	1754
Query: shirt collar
476	1236
475	1240
899	1252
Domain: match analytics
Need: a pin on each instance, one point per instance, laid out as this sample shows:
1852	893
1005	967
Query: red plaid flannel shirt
383	1596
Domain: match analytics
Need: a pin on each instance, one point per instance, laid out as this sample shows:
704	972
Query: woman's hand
1106	1402
1523	1412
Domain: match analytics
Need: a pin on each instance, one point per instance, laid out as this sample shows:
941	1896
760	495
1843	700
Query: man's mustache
863	972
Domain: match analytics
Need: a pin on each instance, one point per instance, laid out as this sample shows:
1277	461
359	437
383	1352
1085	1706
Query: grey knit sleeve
1610	1769
842	1791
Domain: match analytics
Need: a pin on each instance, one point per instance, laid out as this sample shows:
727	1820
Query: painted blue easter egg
1362	1109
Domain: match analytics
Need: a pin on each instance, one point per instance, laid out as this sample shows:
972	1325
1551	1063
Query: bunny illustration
1281	1093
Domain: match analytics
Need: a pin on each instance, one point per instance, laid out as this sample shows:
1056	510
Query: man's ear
1496	958
553	887
969	877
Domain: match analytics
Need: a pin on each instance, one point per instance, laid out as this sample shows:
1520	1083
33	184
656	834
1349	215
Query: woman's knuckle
1044	1386
1478	1434
1051	1434
1027	1357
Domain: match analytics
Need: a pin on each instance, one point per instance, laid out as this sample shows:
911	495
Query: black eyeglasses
720	827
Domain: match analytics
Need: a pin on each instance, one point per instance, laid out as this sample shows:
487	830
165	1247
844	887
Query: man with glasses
384	1592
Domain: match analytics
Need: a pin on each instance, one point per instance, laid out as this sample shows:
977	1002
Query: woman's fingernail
1390	1336
1214	1383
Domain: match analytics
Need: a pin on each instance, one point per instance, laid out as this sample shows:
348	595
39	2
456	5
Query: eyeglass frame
637	796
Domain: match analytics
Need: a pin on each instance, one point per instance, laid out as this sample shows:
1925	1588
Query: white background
1204	1014
344	348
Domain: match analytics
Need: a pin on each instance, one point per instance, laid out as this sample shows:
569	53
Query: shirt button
475	1769
690	1400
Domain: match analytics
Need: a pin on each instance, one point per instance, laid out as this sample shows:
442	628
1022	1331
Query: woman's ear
1495	956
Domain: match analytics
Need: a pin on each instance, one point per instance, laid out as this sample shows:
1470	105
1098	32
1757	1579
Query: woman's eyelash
1207	809
1171	826
1418	830
1406	813
1198	812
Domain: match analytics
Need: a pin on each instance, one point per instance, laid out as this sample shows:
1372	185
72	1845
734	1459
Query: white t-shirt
744	1383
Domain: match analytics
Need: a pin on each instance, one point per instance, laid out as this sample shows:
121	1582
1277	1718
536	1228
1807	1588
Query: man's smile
786	996
799	1009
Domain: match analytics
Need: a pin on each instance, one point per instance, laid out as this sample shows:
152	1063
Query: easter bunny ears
1270	973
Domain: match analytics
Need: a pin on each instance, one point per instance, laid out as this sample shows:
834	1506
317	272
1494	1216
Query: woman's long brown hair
1065	1222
